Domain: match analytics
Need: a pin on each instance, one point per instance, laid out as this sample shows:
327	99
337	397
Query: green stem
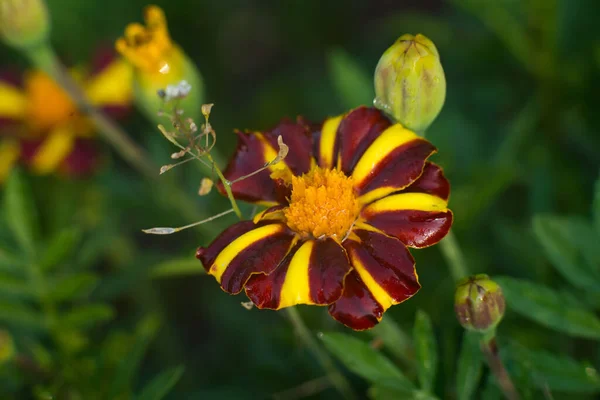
336	378
44	58
454	257
489	348
226	185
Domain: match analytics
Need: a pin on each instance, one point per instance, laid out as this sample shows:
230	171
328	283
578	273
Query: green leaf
550	308
145	332
21	314
470	366
178	267
59	248
161	384
76	285
554	371
87	316
363	360
571	244
353	84
387	392
596	206
426	350
15	286
396	341
20	211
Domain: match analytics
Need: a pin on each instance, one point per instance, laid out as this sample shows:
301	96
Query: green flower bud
7	347
409	82
479	303
24	23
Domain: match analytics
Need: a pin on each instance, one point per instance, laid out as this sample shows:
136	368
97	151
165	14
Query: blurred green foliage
97	310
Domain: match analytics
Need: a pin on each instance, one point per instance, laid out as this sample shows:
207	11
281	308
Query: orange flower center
48	104
323	203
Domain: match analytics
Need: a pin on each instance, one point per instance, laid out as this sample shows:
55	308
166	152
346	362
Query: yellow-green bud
479	303
7	347
24	23
409	82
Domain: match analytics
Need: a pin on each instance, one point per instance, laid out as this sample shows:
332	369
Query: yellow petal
13	103
53	150
9	154
112	86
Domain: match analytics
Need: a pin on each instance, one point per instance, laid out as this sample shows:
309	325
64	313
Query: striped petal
357	308
45	156
417	219
432	181
207	255
297	136
392	162
259	250
327	144
313	273
384	264
357	130
251	154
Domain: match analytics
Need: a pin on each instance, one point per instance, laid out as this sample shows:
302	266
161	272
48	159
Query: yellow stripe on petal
407	201
270	154
296	289
53	150
112	86
377	291
238	245
389	140
13	102
327	143
9	154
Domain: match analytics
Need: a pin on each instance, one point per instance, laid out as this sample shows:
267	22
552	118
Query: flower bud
159	63
409	82
479	303
24	23
7	347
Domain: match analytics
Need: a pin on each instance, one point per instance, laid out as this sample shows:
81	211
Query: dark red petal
387	261
399	168
297	136
415	228
265	290
83	160
432	181
356	132
327	268
357	308
262	256
249	157
117	111
207	255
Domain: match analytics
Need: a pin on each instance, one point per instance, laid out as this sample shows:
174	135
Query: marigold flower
344	205
158	62
41	126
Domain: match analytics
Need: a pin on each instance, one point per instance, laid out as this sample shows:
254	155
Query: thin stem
45	59
226	185
489	348
336	378
454	256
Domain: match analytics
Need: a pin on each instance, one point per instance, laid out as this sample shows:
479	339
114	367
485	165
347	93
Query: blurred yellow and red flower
42	128
353	193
